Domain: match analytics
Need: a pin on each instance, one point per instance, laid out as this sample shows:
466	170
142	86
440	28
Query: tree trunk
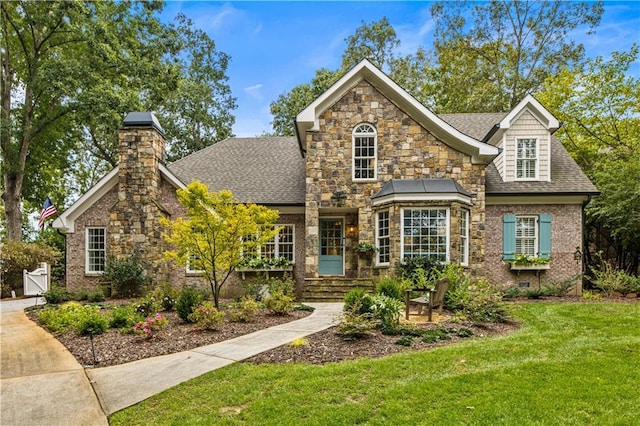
12	209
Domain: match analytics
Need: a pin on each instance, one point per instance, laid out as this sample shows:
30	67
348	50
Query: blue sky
275	46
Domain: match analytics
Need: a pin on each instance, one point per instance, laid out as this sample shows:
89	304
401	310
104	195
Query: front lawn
570	363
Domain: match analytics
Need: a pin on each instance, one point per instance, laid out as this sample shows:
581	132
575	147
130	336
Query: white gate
36	282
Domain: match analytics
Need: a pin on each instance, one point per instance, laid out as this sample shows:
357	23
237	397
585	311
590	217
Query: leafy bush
151	325
464	332
511	292
303	307
591	295
534	294
15	256
402	330
65	317
245	310
478	301
255	287
391	287
93	323
124	317
189	299
279	303
167	295
435	335
126	276
96	296
207	317
148	305
353	326
284	285
611	280
360	298
430	268
386	309
56	295
405	341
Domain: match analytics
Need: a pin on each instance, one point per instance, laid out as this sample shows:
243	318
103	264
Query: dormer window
527	159
365	156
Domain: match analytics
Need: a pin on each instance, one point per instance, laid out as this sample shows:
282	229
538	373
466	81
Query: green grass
570	364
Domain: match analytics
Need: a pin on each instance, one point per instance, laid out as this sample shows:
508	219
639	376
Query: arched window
365	152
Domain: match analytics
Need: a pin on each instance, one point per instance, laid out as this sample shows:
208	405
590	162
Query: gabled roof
66	220
262	170
308	119
422	190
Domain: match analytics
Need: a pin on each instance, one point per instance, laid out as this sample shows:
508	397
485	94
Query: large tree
491	54
70	72
599	106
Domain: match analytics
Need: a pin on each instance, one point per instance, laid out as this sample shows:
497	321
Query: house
369	164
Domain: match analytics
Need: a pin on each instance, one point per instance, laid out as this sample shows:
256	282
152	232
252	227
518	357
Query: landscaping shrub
402	330
611	280
405	341
386	309
126	277
353	326
65	317
80	295
96	296
279	303
407	268
464	332
189	299
360	298
284	285
151	325
15	256
255	287
148	305
478	301
245	310
92	323
534	293
56	295
391	287
511	292
303	307
435	335
206	316
167	295
124	317
561	288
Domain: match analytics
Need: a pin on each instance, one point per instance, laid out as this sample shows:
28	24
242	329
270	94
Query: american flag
48	210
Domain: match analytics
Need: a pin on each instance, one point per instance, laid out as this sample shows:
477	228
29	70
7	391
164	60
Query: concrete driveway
41	383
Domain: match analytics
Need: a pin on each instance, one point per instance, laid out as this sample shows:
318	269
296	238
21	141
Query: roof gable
308	119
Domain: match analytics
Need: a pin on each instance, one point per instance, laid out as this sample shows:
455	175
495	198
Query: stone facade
566	236
405	150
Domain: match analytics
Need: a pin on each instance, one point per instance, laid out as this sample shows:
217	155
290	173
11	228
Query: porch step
333	289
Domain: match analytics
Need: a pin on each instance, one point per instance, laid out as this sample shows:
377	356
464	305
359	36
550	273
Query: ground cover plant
569	363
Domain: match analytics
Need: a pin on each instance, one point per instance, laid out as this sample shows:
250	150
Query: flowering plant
206	316
151	325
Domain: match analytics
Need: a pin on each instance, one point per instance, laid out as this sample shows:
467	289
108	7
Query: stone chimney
134	221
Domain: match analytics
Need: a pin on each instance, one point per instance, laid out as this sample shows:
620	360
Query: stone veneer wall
406	150
134	220
566	235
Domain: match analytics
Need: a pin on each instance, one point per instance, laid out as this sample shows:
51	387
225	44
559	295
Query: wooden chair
435	298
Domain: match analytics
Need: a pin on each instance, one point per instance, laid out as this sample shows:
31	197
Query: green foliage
148	305
405	341
15	256
303	307
150	326
255	287
611	280
284	285
525	259
215	231
167	295
420	270
250	262
189	299
353	326
392	288
435	335
561	288
364	248
96	296
478	301
464	332
591	295
279	303
56	295
245	310
93	323
124	317
511	292
126	277
402	330
67	317
206	316
358	300
386	309
534	293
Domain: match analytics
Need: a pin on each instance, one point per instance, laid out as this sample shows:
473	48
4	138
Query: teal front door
331	247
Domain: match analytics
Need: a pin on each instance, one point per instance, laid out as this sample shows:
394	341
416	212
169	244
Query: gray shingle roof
421	186
476	125
262	170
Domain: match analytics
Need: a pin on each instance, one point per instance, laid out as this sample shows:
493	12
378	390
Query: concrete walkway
42	383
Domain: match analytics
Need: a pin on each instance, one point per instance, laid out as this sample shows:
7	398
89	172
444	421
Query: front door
331	247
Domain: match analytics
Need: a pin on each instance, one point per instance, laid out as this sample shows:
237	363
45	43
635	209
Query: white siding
526	126
499	161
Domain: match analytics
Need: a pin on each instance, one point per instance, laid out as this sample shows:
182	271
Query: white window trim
536	229
86	249
378	263
353	152
537	168
190	271
465	261
447	232
277	246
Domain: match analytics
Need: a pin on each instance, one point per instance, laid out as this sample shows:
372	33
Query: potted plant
528	262
364	248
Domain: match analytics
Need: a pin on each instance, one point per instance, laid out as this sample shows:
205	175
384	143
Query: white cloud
254	91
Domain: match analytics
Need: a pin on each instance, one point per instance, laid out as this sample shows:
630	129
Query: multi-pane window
364	152
425	233
96	250
281	245
526	235
464	237
383	237
526	159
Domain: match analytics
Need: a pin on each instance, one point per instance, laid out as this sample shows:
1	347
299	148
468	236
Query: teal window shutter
509	237
545	235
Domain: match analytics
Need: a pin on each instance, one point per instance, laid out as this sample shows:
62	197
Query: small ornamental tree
215	232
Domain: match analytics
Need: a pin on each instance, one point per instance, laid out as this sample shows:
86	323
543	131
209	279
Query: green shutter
545	236
509	237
